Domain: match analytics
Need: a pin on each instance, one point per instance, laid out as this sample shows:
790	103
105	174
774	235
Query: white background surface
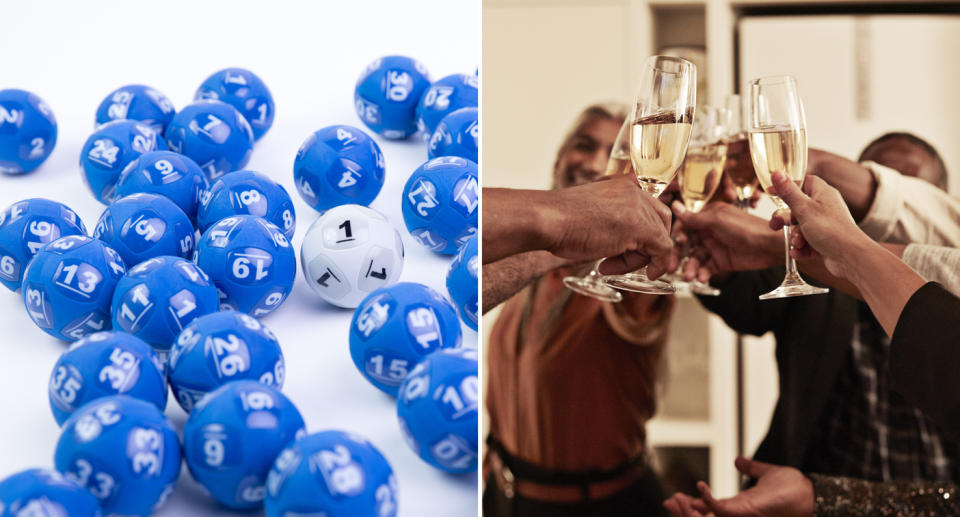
72	54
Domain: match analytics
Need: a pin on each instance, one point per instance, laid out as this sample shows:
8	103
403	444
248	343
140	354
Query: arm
503	278
925	358
609	218
887	205
885	282
935	263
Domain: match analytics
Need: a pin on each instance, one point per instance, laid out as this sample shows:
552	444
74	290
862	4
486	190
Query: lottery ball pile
440	203
331	473
222	347
338	165
25	227
445	96
104	364
137	102
394	327
124	451
232	438
457	134
246	92
45	492
387	93
213	134
167	174
68	285
110	149
247	193
157	298
28	131
462	282
143	226
250	261
191	249
349	252
437	409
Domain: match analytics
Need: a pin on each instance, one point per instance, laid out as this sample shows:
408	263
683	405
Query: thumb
752	468
789	192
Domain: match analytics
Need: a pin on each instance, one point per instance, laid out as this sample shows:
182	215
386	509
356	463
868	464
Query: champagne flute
739	166
658	142
778	142
619	163
702	170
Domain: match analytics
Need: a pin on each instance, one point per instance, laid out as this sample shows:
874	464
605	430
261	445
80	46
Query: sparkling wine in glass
658	142
778	142
738	169
702	171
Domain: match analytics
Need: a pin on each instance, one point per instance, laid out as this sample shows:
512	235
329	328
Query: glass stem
791	263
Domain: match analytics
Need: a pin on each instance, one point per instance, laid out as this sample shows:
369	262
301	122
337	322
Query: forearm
855	182
503	278
935	264
836	496
885	282
513	222
816	269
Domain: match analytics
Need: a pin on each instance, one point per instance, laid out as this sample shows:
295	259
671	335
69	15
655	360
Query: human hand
826	228
613	218
780	491
724	239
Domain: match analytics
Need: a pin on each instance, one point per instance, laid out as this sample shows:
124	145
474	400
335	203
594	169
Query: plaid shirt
869	431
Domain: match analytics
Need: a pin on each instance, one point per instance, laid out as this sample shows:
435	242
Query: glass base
638	282
703	289
592	285
793	287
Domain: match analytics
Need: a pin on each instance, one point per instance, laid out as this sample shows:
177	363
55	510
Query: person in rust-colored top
571	380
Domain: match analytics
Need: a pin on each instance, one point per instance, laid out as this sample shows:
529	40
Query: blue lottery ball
68	285
394	327
25	227
218	436
445	96
110	149
338	165
463	283
440	203
103	364
331	473
42	493
28	131
143	226
457	134
219	348
250	261
167	174
158	297
437	409
213	134
137	102
124	451
387	93
247	193
243	90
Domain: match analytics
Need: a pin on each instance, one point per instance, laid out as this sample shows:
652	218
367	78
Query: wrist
538	220
855	258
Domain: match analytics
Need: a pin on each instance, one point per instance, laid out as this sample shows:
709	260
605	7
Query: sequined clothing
848	497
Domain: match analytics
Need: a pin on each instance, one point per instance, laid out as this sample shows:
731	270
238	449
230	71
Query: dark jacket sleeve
925	355
740	306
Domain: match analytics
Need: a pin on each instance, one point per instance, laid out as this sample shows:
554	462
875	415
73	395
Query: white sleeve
935	264
906	210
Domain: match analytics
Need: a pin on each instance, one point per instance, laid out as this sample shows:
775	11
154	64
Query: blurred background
864	69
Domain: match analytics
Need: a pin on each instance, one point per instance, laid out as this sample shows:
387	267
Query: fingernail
679	208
